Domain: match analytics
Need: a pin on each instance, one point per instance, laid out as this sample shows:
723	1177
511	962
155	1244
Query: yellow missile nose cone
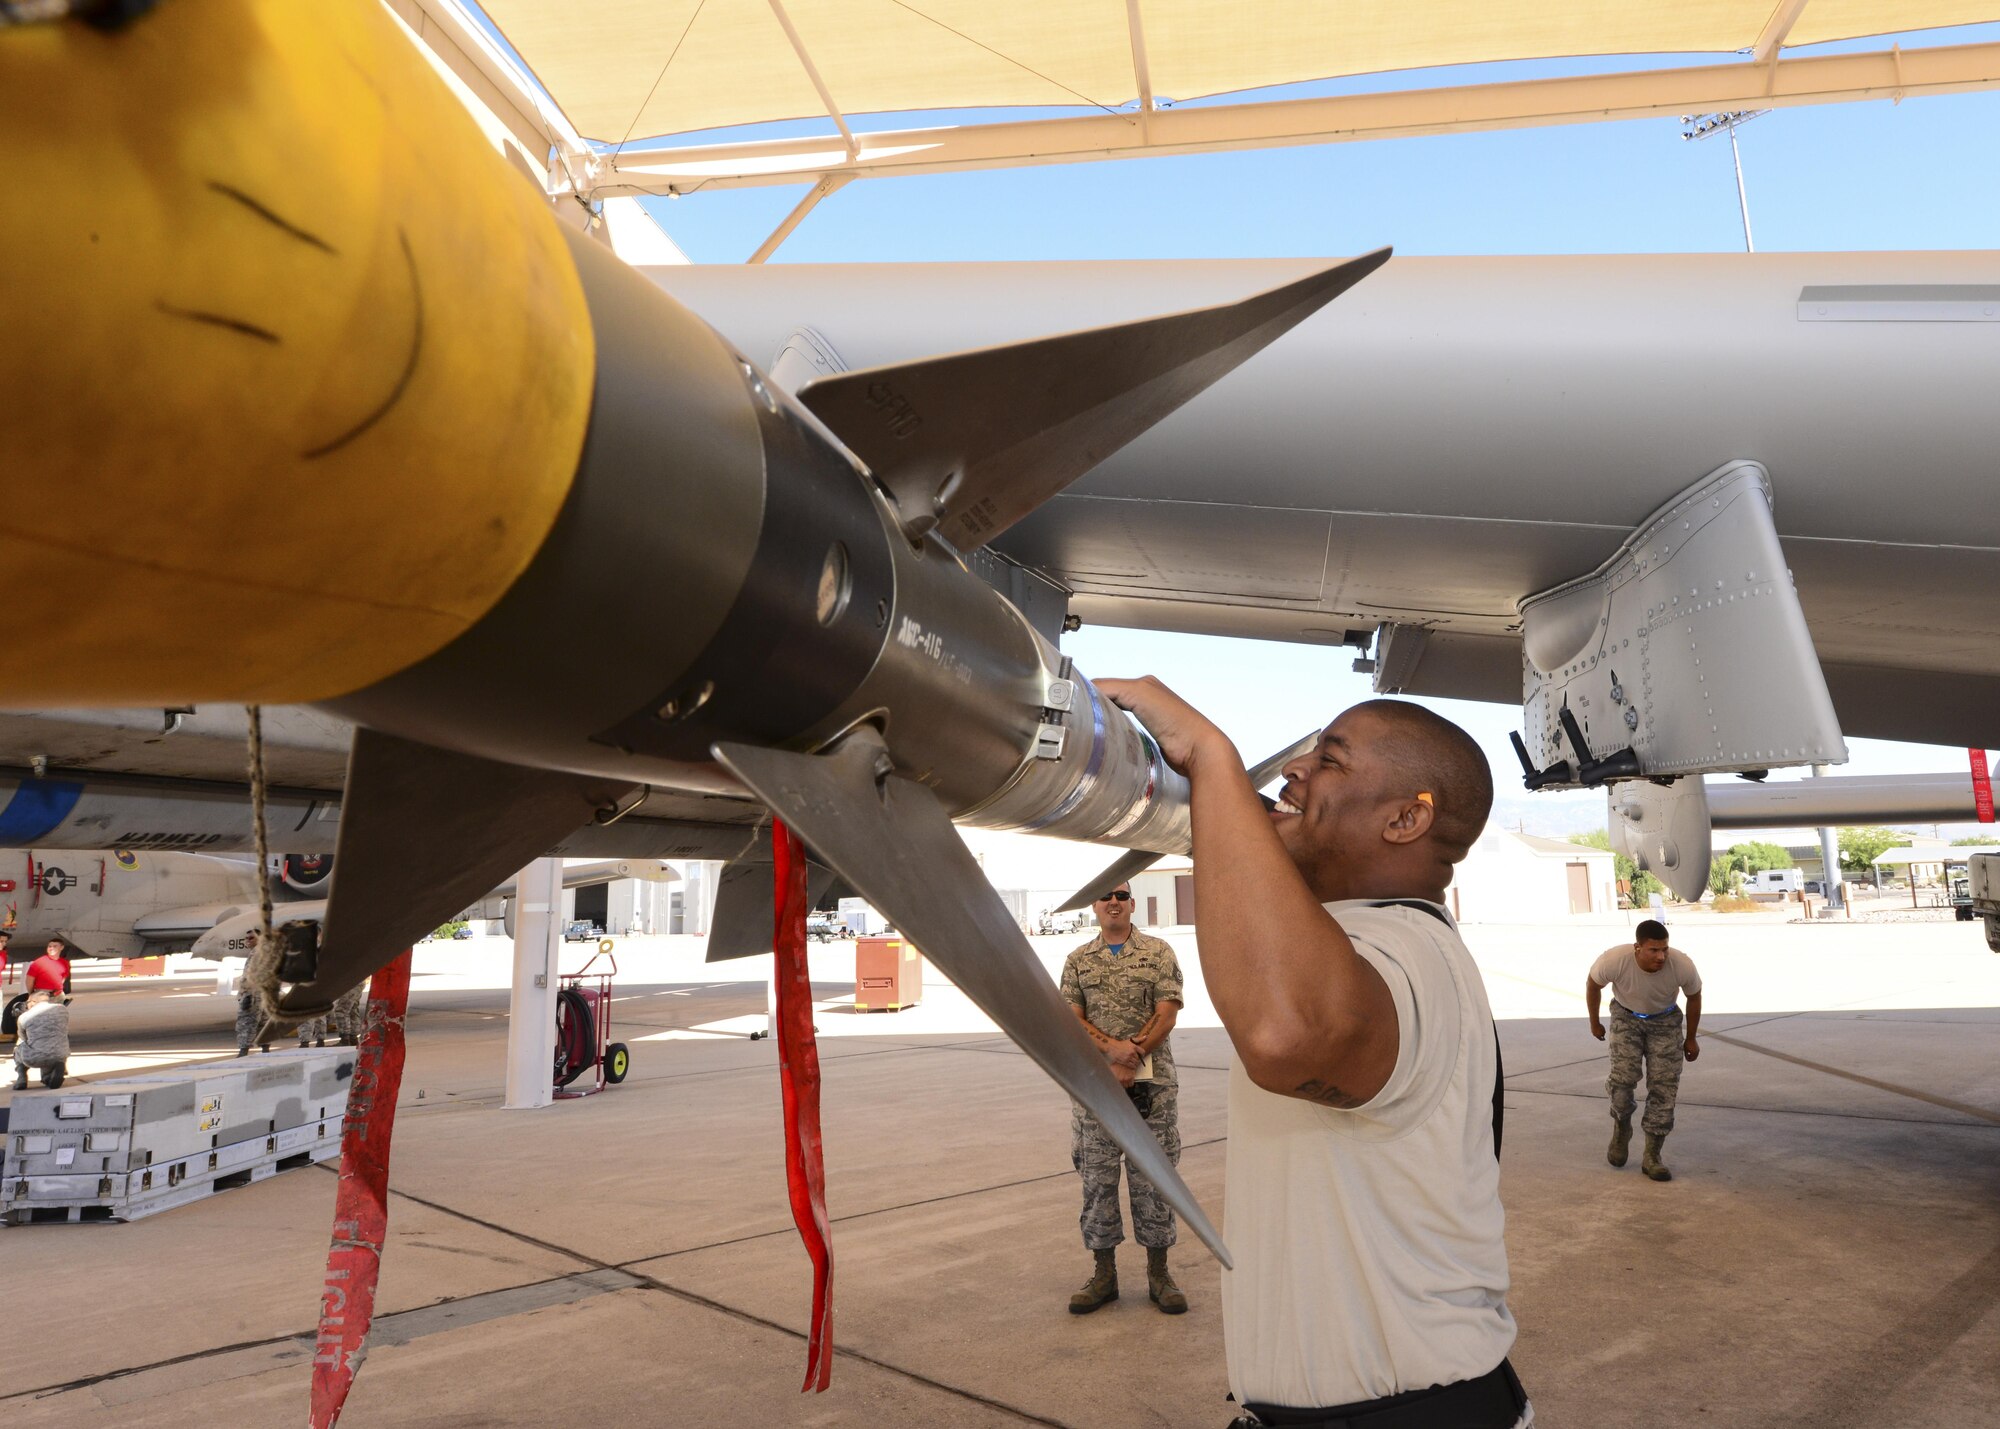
297	369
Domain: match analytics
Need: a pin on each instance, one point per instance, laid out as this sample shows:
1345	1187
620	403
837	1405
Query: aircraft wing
1458	434
164	779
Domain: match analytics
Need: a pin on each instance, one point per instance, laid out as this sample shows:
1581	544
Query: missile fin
970	442
1126	865
892	840
744	920
1132	864
423	833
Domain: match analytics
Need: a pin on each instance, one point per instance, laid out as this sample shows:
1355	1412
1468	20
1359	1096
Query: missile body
721	571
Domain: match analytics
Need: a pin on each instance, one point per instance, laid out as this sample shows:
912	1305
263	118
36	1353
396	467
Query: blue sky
1922	174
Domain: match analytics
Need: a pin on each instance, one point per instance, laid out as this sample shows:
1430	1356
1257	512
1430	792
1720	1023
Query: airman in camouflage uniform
1126	987
250	1024
1649	1034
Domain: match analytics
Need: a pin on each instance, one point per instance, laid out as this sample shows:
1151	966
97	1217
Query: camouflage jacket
1118	991
44	1035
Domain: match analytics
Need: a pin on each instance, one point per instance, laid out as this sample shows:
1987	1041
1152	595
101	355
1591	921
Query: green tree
1756	856
1858	847
1643	885
1725	874
1992	838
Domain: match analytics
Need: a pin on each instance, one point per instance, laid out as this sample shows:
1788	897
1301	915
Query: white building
1164	894
1524	878
1507	877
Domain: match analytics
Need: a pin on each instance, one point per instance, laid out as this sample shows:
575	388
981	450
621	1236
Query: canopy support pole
828	183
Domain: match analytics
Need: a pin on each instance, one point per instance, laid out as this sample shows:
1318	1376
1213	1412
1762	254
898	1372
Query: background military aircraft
126	903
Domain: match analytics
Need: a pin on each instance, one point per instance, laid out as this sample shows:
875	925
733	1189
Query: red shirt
47	971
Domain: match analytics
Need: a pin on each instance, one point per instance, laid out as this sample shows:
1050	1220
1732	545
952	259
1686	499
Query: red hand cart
583	1029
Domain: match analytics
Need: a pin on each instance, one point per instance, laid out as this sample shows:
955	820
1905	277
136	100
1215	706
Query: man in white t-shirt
1646	978
1362	1189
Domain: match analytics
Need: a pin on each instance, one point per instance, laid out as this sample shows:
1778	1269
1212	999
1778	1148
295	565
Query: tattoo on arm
1326	1094
1144	1036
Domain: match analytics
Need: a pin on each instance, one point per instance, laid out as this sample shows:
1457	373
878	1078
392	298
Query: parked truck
1985	888
1777	880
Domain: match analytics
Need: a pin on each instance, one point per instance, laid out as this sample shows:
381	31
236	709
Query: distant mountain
1551	815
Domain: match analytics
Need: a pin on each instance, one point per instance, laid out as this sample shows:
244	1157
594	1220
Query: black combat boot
20	1077
1652	1165
1102	1287
1621	1140
1160	1283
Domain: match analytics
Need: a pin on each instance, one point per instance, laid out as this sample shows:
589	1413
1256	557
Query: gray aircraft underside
1451	437
1459	433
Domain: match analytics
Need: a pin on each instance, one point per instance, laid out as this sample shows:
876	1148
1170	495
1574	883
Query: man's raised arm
1308	1016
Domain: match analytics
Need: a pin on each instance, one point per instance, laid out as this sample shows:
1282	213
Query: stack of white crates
116	1151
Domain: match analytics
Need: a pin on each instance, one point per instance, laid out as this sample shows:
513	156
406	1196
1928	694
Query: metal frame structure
1893	74
449	30
1764	79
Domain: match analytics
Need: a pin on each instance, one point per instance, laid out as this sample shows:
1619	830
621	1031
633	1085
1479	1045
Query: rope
260	973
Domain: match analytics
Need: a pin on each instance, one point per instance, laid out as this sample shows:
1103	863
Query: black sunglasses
1116	895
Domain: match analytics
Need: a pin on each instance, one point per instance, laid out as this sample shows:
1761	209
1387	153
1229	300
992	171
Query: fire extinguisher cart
583	1028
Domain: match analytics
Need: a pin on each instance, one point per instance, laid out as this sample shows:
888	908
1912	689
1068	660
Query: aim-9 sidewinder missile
317	402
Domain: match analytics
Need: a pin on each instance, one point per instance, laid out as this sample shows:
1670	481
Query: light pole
1703	126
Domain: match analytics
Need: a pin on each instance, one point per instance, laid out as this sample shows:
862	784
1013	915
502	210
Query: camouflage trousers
349	1018
1655	1045
350	1013
249	1020
1097	1159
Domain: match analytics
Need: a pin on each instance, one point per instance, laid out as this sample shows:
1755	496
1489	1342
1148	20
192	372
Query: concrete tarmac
1828	1253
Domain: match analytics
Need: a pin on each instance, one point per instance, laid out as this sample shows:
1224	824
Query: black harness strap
1499	1071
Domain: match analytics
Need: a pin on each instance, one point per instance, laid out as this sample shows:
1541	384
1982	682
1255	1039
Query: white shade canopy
623	69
